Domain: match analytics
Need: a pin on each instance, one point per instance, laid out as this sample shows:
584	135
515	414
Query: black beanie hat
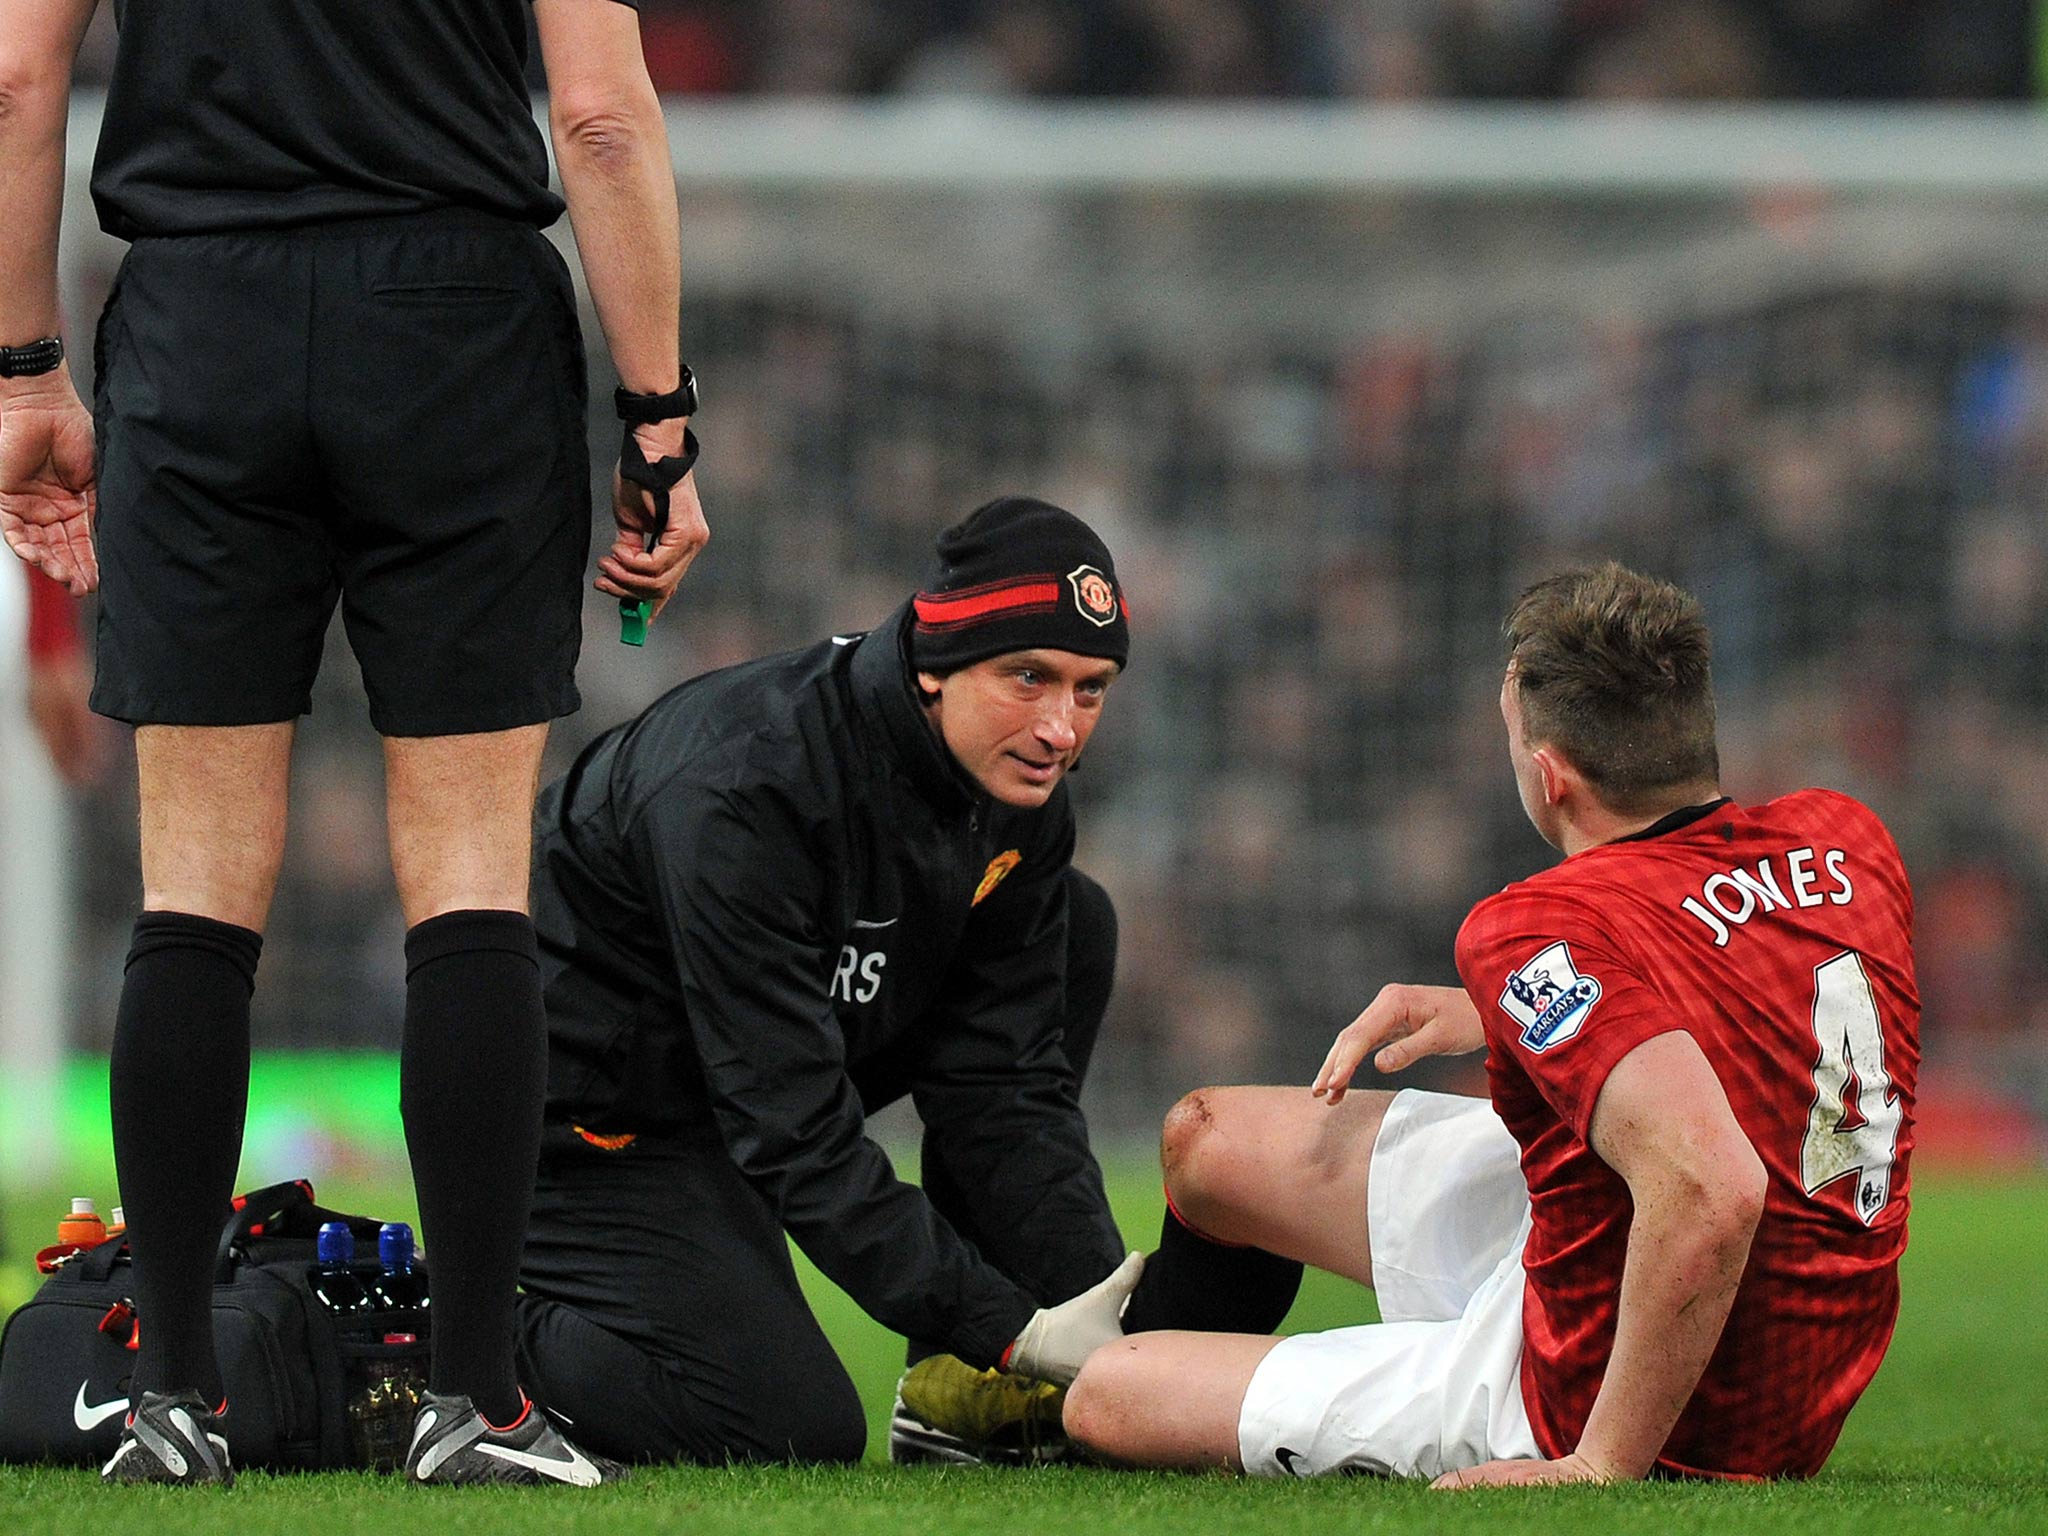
1015	575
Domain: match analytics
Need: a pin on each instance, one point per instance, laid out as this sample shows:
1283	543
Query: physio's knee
1092	928
823	1424
1091	966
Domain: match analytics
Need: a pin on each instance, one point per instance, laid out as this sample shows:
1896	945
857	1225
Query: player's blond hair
1614	669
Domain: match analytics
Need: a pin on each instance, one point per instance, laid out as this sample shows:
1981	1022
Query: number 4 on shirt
1853	1127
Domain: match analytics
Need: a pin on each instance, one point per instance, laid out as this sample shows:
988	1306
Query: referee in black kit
791	892
340	361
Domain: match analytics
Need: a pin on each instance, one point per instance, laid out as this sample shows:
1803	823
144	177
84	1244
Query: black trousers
662	1314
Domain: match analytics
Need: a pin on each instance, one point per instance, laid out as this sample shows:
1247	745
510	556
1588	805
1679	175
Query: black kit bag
290	1366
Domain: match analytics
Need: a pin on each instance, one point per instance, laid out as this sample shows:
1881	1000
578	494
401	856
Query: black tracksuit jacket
776	882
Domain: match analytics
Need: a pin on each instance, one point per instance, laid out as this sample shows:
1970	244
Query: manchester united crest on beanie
1019	574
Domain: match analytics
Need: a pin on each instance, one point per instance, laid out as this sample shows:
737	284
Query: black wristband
37	357
646	410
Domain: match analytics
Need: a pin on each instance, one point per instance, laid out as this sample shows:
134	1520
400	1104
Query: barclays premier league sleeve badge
1549	998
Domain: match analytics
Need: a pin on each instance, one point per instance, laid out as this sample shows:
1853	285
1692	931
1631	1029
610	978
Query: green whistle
633	616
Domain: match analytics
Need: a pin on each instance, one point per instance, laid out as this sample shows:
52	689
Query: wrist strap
37	357
646	410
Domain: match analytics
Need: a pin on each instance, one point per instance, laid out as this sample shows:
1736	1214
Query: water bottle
334	1282
382	1404
400	1288
402	1381
76	1232
342	1292
83	1226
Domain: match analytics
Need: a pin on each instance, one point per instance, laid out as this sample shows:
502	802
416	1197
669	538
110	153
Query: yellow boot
948	1412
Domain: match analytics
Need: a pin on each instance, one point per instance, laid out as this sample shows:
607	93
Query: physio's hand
1499	1474
631	570
47	491
1403	1024
1058	1340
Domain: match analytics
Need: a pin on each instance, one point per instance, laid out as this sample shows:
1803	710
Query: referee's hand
48	494
630	569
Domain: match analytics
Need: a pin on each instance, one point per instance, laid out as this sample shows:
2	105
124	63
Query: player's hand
57	693
1403	1024
48	495
631	570
1058	1340
1500	1474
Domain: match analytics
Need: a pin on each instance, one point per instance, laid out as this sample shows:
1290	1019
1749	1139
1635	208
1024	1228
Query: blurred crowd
1356	50
1372	50
1301	785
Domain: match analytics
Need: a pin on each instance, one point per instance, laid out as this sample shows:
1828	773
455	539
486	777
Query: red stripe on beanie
1022	594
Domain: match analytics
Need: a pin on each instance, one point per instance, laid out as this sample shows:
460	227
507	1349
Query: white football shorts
1437	1384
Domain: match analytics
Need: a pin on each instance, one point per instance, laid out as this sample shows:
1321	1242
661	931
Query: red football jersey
1780	938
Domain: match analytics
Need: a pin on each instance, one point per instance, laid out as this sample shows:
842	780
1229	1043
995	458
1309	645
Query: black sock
472	1076
178	1084
1195	1282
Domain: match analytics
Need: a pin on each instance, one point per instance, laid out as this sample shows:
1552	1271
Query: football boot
947	1412
171	1437
453	1443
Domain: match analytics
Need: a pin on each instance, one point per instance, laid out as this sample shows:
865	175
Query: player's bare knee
1089	1414
1184	1138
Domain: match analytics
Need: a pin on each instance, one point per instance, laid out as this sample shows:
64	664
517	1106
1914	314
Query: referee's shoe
170	1437
453	1443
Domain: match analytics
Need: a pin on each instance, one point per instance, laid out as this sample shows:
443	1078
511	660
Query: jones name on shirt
1802	877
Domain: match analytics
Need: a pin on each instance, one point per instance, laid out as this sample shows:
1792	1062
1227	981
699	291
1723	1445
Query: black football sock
1196	1282
178	1084
472	1074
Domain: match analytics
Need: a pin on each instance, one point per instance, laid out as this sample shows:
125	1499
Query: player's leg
1411	1399
662	1316
1166	1399
1417	1195
1276	1169
1259	1182
213	818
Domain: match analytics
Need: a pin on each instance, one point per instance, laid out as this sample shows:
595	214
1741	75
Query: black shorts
388	411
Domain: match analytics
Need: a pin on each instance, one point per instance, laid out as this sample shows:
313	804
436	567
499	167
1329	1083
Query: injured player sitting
1667	1243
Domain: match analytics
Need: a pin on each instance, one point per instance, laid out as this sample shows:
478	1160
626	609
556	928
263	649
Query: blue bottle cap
394	1245
337	1245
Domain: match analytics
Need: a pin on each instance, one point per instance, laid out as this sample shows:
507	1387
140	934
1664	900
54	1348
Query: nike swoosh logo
578	1469
1287	1458
89	1416
869	922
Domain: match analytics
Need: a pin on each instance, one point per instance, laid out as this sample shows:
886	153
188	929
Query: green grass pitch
1952	1436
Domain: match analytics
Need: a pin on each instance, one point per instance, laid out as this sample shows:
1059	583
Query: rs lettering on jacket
859	976
1800	878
